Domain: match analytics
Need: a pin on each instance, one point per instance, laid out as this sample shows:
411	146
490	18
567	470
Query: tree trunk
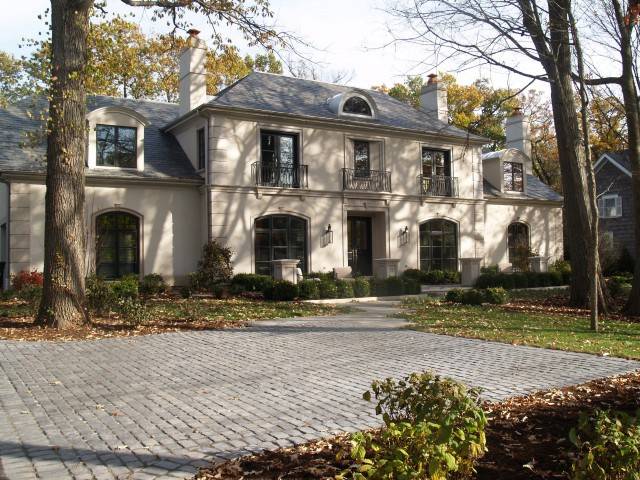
63	302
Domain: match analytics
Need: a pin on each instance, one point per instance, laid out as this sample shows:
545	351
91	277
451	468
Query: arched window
117	244
439	245
357	106
518	243
279	237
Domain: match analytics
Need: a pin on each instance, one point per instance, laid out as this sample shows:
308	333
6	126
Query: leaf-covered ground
527	438
167	315
539	319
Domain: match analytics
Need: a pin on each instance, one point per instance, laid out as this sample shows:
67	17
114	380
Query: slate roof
536	189
308	98
23	143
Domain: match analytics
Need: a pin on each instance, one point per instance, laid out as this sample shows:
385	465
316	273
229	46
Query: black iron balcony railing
278	175
438	186
366	180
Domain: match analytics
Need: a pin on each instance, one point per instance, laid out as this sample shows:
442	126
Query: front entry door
359	243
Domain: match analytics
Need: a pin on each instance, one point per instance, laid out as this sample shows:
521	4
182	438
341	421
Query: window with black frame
439	245
518	243
117	244
513	177
279	165
435	163
357	106
361	158
116	146
278	237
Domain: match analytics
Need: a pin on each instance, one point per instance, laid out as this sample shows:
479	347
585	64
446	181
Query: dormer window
357	106
513	177
116	146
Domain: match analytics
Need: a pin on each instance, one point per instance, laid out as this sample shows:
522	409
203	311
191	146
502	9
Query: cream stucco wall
171	224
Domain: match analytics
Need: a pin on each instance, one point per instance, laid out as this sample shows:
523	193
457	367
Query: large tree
63	299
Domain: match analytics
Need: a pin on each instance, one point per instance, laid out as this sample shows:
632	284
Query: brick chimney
517	132
193	75
433	99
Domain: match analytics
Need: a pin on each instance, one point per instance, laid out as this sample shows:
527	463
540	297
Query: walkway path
159	406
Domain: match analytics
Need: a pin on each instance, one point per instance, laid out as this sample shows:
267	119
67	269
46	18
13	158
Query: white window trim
618	205
118	117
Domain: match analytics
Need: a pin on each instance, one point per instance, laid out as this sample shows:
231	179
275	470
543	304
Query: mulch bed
526	438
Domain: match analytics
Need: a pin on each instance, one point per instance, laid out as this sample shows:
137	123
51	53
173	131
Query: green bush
31	295
509	281
152	284
281	290
133	311
308	290
185	291
361	287
521	280
496	296
473	297
433	429
414	274
387	287
126	287
100	296
435	277
411	286
320	275
221	291
608	445
455	295
327	288
345	289
214	267
563	268
490	269
619	285
250	282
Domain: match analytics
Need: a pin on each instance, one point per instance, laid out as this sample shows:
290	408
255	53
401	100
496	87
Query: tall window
117	244
201	149
435	163
279	159
439	245
361	158
279	237
610	206
357	106
518	244
116	146
513	177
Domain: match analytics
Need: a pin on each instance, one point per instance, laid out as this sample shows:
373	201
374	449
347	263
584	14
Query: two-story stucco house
278	168
615	200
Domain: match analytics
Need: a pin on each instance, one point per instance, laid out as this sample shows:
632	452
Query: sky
347	35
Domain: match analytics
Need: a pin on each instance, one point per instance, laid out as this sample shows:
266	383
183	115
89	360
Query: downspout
208	194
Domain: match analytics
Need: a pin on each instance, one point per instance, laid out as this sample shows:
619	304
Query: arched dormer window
357	106
116	138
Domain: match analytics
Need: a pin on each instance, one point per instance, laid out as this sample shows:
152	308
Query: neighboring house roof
23	142
536	189
266	92
620	159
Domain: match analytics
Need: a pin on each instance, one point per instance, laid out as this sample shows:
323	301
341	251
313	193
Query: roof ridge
322	82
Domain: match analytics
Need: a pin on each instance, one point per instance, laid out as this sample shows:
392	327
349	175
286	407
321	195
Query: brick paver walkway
161	405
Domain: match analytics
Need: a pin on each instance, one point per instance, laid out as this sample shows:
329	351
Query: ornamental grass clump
433	430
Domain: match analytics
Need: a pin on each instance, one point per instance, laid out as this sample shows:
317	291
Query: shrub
321	275
327	289
220	291
152	284
520	279
509	281
100	296
31	294
451	277
435	277
490	269
250	282
414	274
496	296
433	429
345	289
23	279
473	297
214	267
387	287
308	290
564	268
281	290
411	286
361	287
618	285
608	445
185	291
126	287
133	311
455	295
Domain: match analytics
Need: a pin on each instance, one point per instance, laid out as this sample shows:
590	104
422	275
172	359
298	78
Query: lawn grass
521	327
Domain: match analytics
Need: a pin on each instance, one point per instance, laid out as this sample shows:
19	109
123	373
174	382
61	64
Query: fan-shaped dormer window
357	106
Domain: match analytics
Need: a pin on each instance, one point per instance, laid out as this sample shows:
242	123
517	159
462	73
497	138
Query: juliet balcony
438	186
280	175
366	180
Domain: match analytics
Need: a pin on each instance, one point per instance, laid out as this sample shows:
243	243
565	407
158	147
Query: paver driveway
157	406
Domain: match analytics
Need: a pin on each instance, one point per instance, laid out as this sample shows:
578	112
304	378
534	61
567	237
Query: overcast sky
347	35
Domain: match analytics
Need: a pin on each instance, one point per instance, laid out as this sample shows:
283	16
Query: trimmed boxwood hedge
509	281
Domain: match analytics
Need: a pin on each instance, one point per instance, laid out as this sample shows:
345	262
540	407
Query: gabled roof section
620	160
23	142
279	94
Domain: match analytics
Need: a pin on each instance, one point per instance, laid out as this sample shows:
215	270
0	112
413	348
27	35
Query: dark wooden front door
359	244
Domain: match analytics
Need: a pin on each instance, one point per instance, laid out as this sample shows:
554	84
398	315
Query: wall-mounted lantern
327	236
403	236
